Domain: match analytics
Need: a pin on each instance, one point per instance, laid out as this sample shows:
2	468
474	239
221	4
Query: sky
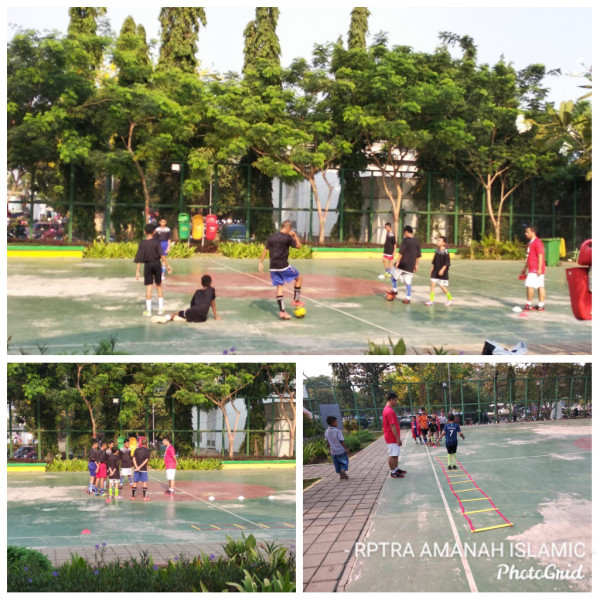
556	36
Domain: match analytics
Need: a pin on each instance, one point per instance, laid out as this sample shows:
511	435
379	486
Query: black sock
144	492
297	291
133	492
280	302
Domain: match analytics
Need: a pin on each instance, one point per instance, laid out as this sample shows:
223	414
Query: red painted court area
584	442
256	285
186	491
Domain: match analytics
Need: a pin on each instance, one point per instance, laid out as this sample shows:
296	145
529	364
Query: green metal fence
473	400
558	208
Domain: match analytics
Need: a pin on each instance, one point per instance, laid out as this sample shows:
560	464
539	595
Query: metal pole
39	430
153	430
31	202
107	206
428	175
510	217
173	419
310	213
247	428
181	168
10	440
280	204
71	201
67	433
371	194
456	200
482	214
342	191
575	216
248	196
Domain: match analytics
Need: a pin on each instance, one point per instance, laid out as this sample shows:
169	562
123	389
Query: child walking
451	431
338	450
439	271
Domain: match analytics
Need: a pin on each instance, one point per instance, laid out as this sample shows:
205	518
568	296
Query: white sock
160	303
149	305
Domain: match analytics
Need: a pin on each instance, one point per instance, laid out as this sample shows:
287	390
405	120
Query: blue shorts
164	244
140	476
92	468
281	277
341	462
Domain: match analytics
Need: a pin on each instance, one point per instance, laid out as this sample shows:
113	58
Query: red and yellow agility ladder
471	489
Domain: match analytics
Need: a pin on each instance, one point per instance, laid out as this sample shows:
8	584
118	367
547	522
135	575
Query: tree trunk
230	433
85	399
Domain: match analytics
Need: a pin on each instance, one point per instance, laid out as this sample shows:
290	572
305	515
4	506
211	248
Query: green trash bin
184	226
552	251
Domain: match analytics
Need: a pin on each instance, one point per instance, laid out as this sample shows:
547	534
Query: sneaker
132	498
297	303
540	308
160	311
527	307
388	275
396	474
449	303
167	492
406	301
429	303
147	313
146	499
400	471
395	292
284	316
118	497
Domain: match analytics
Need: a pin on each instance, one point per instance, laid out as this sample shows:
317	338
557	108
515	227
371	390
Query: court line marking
532	456
318	303
463	558
208	503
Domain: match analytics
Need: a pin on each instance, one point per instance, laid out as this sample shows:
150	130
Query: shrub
129	249
27	560
364	436
312	427
254	250
313	452
352	442
189	464
75	464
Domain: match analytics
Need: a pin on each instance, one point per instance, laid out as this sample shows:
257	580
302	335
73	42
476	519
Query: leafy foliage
254	250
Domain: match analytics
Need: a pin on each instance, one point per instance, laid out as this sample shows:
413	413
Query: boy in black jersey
141	456
149	254
92	467
406	263
389	247
112	465
278	245
202	300
439	271
101	471
126	464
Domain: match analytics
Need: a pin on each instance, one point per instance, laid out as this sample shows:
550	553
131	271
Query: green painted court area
67	306
538	475
49	511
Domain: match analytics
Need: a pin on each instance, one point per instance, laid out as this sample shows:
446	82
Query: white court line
343	312
210	504
532	456
463	558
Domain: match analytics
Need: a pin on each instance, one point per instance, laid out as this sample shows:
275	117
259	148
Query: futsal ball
300	312
517	309
390	296
382	276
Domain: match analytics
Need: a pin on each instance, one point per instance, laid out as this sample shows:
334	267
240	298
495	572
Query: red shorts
101	472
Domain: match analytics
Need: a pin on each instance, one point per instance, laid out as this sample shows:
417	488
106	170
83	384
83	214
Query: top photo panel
241	180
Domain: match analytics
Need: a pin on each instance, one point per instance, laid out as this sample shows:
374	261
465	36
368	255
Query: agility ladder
471	489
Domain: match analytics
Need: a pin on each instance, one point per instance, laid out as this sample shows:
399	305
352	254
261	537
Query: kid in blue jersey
451	431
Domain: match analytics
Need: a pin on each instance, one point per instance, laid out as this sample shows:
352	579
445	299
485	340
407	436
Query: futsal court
52	512
521	497
67	306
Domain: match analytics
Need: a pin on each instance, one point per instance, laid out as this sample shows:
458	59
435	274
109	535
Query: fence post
428	208
248	194
341	203
10	435
272	428
376	411
173	420
310	215
356	404
31	202
532	201
482	213
67	433
510	217
280	203
39	429
371	195
107	206
456	201
247	428
574	216
71	201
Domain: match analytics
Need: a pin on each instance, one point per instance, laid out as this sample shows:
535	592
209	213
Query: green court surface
538	476
51	510
67	306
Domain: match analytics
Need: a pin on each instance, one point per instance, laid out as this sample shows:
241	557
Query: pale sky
556	36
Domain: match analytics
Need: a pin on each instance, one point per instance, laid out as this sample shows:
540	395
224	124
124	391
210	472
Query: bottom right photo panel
430	477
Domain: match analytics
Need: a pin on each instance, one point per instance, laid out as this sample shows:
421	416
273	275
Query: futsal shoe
118	497
147	313
388	275
160	312
146	499
396	474
429	303
527	307
449	303
284	316
297	303
540	308
406	301
400	471
132	498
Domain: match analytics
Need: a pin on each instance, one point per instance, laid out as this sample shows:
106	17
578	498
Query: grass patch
308	482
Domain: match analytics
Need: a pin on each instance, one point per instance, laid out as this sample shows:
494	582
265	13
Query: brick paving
161	553
337	513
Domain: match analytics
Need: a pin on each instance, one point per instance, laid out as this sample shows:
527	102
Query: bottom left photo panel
151	477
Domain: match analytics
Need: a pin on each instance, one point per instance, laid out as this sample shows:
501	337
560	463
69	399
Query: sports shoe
406	301
297	303
160	311
118	497
527	307
429	303
132	498
284	316
396	474
400	471
146	499
388	275
449	303
395	292
168	492
540	308
147	313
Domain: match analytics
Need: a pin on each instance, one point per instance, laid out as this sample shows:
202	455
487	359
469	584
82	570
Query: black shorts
191	317
153	272
452	449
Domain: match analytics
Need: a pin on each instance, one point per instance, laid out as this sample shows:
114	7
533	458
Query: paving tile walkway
161	553
337	514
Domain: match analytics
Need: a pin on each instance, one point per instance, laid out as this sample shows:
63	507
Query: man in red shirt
391	434
534	268
170	465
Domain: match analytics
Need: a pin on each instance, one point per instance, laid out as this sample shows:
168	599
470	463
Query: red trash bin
210	227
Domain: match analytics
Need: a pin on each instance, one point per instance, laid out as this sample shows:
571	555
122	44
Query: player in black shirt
439	271
126	463
202	300
92	467
389	247
150	254
112	465
141	456
407	262
278	245
101	472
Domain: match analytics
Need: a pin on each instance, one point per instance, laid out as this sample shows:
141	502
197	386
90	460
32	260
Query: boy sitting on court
451	431
202	300
338	450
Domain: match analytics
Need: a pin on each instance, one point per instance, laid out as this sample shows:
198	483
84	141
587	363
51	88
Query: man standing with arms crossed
391	433
141	456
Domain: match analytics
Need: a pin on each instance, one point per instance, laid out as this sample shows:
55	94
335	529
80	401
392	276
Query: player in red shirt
534	268
391	433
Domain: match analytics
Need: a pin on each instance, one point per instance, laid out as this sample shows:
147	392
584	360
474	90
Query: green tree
131	55
359	28
180	27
